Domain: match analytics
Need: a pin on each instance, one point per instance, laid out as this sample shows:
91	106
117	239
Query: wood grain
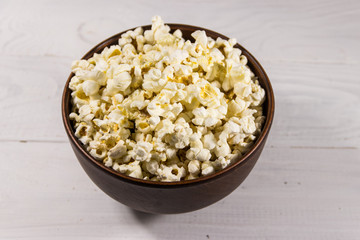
314	102
306	183
323	31
289	195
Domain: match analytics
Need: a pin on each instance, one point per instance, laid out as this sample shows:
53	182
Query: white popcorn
195	140
143	126
118	151
97	150
81	65
83	132
207	118
207	168
155	109
200	38
209	141
154	120
194	167
177	57
171	154
231	127
248	124
216	55
90	87
108	162
242	89
111	51
171	173
152	166
142	150
159	107
200	154
172	110
221	163
120	82
181	136
209	95
182	70
132	169
163	128
222	149
200	115
235	107
236	73
159	145
153	81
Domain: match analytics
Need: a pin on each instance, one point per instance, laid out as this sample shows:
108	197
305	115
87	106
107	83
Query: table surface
306	184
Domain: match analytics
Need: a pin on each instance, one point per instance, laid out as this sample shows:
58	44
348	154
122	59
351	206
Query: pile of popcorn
162	108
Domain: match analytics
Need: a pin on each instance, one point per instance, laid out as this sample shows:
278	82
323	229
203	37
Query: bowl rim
270	99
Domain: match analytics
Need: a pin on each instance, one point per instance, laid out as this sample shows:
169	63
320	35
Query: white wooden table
306	185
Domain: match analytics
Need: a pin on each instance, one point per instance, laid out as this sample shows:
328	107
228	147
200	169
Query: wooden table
306	185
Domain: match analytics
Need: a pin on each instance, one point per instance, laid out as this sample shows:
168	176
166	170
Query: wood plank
316	104
321	31
290	194
306	183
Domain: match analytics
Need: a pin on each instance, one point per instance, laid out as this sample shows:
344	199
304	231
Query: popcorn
209	141
236	73
248	124
81	65
195	140
97	149
242	89
162	108
200	154
120	82
141	151
163	128
235	107
171	173
200	38
152	81
209	95
222	149
143	126
177	57
200	115
154	120
132	169
181	137
152	166
194	167
83	133
207	118
90	87
118	151
221	163
207	168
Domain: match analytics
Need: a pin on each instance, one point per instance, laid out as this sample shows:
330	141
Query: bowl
171	197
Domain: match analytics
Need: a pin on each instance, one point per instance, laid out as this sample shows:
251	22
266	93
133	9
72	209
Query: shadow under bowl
171	197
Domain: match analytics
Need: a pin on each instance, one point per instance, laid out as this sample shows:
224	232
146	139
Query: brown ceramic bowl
171	197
